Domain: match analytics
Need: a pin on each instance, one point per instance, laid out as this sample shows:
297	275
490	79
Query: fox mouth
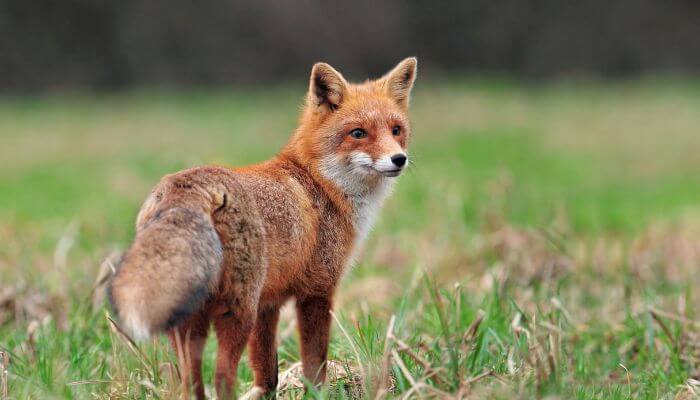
373	169
390	173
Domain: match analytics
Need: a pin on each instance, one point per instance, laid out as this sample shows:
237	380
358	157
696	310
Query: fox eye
396	131
358	133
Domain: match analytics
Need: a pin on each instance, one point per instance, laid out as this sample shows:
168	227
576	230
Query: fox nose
399	159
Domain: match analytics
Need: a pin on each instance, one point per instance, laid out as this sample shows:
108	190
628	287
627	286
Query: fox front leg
314	318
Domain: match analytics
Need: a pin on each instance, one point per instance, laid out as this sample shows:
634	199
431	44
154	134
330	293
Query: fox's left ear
399	81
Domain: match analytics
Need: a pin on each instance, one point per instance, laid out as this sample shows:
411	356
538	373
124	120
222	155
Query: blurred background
107	44
548	226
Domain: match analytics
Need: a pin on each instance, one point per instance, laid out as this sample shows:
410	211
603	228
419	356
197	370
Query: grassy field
546	241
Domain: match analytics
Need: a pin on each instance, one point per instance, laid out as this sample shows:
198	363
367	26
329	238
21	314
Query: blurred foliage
108	44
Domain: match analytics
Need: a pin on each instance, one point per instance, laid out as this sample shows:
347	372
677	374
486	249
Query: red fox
228	246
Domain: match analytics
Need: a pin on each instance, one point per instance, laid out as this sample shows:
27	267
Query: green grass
520	255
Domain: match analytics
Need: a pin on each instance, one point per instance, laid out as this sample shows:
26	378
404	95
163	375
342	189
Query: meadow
545	241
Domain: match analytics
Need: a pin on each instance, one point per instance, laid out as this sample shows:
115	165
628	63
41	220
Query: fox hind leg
263	349
233	329
188	340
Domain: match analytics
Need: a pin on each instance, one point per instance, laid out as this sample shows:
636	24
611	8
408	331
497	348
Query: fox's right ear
326	87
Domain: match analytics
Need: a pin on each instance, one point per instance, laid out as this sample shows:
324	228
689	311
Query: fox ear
326	87
399	81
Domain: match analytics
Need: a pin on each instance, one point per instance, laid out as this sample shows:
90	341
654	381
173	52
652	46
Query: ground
545	241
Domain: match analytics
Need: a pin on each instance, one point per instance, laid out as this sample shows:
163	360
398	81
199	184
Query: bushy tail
168	273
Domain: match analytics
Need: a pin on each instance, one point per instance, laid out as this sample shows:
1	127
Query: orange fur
229	246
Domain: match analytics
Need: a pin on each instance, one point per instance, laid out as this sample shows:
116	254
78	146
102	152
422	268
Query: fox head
356	135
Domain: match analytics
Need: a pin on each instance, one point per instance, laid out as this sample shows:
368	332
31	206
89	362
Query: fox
227	247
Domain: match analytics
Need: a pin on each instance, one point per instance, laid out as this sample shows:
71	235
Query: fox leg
263	349
188	340
232	332
314	319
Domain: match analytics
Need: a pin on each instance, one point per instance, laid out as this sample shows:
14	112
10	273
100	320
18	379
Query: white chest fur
364	189
366	208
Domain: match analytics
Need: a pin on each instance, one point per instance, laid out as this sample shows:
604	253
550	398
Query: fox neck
365	193
360	194
366	207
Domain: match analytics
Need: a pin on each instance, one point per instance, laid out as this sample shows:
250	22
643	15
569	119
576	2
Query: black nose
399	160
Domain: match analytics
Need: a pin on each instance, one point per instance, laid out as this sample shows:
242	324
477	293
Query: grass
545	242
